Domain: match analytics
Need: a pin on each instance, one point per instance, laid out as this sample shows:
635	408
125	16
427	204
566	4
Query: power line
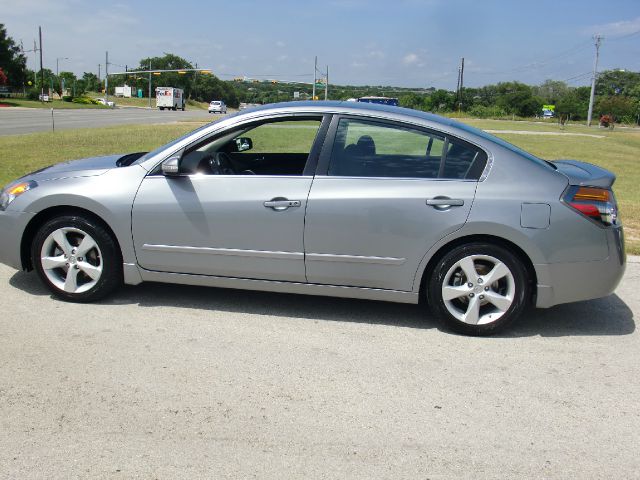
539	63
622	37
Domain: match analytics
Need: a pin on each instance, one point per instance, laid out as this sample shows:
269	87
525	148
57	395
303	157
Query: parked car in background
342	199
108	103
217	106
244	106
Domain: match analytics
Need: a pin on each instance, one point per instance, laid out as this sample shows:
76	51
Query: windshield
501	142
153	153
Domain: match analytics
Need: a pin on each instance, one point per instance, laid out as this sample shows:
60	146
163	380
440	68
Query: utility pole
106	79
149	83
598	39
460	84
99	65
326	84
315	69
41	70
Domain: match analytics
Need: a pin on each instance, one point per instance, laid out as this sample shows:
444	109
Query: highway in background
27	120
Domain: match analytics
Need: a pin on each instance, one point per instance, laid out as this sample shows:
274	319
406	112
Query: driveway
170	382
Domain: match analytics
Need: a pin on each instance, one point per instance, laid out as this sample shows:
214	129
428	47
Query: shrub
67	98
84	101
480	111
33	94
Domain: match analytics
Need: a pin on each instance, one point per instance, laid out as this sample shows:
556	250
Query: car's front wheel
478	289
77	258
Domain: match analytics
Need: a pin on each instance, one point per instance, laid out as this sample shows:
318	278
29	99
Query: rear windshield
501	142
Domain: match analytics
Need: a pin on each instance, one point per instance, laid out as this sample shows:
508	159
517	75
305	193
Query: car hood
585	174
85	167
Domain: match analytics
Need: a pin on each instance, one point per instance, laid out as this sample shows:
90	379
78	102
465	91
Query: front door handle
443	203
279	203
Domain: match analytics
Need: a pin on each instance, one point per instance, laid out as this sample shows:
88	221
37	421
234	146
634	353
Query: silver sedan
327	198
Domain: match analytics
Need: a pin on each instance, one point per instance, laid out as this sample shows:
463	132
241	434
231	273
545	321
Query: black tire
448	272
175	107
161	108
105	256
183	108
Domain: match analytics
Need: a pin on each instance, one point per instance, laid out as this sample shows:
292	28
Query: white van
217	106
169	97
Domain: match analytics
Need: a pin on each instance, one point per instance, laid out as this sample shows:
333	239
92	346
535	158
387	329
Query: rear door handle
280	203
445	202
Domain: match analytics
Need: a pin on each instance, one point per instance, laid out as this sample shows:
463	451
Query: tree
12	61
551	91
66	80
91	82
171	79
616	82
517	98
616	106
208	87
440	100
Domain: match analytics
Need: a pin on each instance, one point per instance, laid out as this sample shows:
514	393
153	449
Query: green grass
616	151
56	104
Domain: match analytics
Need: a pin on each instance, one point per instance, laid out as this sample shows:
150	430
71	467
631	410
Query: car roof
345	107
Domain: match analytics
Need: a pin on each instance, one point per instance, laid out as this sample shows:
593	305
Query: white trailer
169	97
124	91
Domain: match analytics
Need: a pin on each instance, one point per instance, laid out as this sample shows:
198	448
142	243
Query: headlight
10	193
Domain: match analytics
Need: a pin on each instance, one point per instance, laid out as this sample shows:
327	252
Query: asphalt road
27	120
175	382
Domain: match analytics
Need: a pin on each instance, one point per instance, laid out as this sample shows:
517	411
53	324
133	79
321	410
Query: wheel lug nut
481	297
471	295
470	285
76	267
79	259
486	289
480	280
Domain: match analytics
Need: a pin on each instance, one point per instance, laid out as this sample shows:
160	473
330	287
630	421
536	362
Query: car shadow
604	316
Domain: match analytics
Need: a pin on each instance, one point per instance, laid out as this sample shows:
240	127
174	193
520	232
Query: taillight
597	204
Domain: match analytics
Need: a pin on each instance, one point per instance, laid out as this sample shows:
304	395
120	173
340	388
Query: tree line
617	91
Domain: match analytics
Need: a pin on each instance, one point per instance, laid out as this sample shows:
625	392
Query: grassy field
616	150
57	104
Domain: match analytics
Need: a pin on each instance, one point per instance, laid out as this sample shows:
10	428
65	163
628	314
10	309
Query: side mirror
171	166
243	144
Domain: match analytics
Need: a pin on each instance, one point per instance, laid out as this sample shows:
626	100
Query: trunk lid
585	174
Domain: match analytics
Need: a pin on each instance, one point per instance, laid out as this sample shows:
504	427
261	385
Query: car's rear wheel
77	258
478	289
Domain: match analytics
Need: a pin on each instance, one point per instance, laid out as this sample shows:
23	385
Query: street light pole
58	73
106	79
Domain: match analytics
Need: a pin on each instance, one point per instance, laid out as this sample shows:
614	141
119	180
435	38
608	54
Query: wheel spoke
71	282
449	292
501	302
472	314
60	238
469	269
49	263
87	244
499	271
91	270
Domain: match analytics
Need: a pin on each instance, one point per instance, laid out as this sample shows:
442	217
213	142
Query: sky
407	43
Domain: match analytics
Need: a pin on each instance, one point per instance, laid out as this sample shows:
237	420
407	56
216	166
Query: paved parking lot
28	120
173	382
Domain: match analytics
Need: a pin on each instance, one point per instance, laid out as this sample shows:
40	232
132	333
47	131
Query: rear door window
364	148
